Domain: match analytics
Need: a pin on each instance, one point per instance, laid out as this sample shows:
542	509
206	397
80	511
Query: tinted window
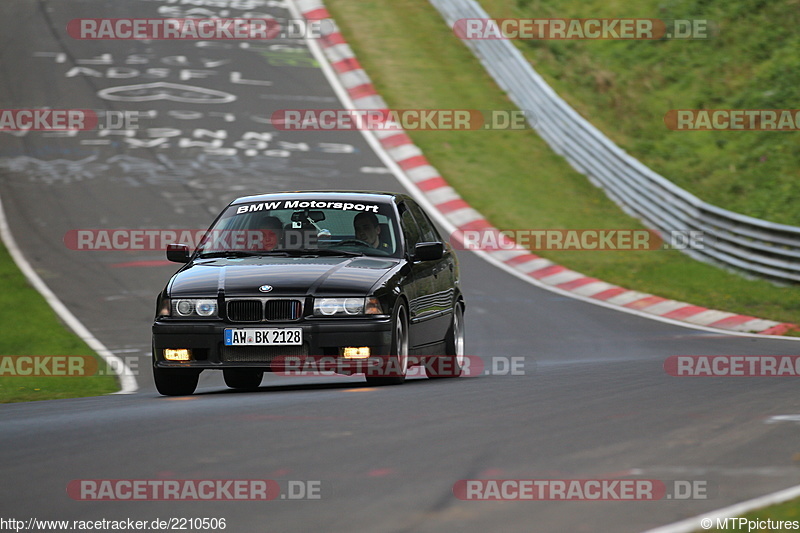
410	229
427	232
317	223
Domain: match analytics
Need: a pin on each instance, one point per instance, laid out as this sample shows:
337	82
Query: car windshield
291	227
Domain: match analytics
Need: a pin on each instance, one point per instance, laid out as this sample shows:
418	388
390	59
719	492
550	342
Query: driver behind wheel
368	230
269	233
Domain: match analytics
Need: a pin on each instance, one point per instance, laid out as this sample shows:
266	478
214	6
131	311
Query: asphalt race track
590	399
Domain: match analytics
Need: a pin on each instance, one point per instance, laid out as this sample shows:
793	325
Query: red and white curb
459	214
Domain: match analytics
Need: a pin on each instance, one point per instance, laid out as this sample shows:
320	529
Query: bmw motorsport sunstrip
349	282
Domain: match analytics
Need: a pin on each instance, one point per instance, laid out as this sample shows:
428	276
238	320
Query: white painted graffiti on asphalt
163	170
196	6
214	142
148	92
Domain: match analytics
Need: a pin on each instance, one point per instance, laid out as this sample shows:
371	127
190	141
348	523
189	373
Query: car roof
359	196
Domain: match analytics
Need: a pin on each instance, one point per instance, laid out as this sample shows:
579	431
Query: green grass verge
30	327
626	87
512	177
786	511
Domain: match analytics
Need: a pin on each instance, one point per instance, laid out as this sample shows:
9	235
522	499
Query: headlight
354	306
206	307
184	307
346	306
193	307
328	306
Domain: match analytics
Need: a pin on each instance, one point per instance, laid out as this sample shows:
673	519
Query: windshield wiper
285	252
241	253
318	251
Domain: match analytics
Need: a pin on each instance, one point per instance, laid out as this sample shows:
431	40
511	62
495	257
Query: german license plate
263	337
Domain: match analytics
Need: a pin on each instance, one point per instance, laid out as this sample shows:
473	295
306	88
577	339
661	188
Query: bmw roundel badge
265	288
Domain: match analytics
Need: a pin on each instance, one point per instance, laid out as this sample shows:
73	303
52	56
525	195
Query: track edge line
127	382
689	525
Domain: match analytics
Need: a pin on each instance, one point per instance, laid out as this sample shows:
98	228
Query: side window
410	229
427	232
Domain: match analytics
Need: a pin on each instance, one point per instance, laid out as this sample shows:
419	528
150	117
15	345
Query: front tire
242	378
175	381
393	367
452	364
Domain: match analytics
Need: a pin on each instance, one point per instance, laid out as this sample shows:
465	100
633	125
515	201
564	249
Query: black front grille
246	311
273	309
259	354
283	310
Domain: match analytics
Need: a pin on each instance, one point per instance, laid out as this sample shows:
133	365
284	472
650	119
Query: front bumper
322	340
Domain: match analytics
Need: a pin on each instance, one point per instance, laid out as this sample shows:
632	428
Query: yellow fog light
182	354
360	352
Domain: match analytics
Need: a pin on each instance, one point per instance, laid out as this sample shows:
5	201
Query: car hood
294	276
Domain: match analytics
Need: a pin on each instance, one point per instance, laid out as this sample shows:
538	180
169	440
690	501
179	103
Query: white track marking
127	381
693	524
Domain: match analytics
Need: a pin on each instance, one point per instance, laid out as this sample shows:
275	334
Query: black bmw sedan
313	281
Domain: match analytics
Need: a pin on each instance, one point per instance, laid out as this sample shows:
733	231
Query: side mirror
178	253
428	251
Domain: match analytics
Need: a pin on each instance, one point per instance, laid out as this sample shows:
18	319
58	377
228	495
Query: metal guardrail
740	242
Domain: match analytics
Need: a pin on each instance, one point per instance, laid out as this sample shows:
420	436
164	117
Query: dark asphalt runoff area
589	398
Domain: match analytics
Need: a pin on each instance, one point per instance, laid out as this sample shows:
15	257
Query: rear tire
175	381
451	364
242	378
393	367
